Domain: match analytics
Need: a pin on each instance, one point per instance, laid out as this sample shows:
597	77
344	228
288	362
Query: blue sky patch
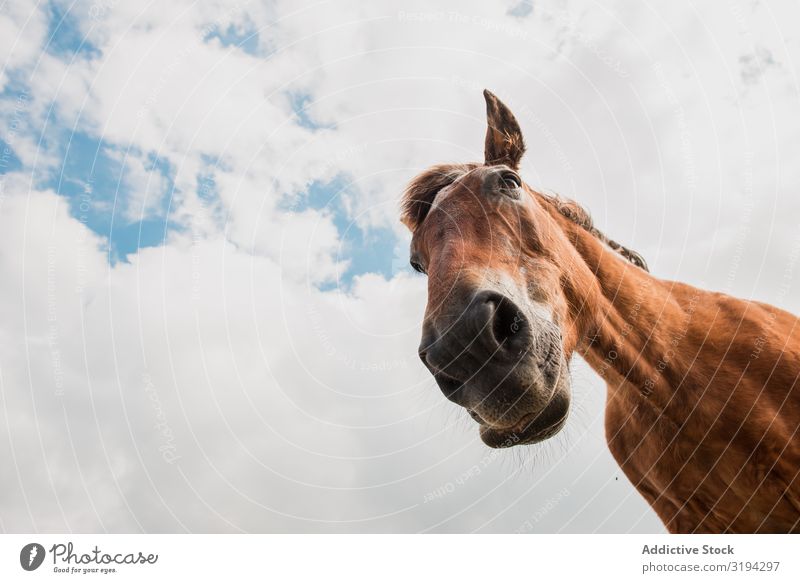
65	38
374	250
8	159
300	103
94	183
244	38
521	10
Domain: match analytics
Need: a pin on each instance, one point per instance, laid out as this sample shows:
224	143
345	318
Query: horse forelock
422	190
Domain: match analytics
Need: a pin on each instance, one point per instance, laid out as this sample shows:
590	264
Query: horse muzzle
502	363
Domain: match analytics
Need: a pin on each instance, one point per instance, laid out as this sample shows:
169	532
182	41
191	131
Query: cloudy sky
207	321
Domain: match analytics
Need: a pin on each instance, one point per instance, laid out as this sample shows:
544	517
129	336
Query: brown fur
703	406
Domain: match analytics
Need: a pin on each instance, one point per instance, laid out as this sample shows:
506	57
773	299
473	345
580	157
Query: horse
702	406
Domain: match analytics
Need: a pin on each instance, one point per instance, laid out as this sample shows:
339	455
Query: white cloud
145	188
22	36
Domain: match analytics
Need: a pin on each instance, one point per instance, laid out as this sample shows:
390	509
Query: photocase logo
31	556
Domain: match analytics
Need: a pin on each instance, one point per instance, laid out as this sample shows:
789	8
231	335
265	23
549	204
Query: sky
207	318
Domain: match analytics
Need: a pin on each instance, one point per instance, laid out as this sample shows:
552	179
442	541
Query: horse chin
532	427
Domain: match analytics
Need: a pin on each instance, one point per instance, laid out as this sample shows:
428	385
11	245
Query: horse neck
626	321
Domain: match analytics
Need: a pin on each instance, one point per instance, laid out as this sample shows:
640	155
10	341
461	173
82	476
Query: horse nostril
506	320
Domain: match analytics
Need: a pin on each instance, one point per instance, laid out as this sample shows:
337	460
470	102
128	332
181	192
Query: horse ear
504	143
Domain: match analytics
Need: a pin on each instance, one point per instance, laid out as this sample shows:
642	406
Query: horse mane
581	217
422	190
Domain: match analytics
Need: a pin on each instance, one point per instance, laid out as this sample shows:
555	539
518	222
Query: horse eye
511	180
416	266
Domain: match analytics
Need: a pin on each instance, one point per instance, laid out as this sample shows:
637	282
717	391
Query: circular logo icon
31	556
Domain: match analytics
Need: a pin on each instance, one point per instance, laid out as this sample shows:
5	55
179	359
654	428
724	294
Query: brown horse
703	404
